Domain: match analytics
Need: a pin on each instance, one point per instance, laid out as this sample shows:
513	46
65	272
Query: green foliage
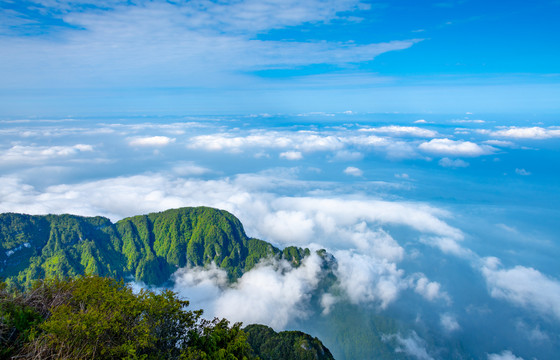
17	321
286	345
95	317
104	319
57	246
215	340
148	247
294	255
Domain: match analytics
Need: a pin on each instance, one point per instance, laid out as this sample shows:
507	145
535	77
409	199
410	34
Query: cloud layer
345	191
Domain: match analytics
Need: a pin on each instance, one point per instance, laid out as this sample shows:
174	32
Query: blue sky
202	57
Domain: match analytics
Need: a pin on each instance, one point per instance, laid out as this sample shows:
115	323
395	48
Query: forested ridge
92	317
63	294
148	248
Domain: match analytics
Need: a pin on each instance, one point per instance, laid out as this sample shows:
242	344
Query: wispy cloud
304	141
467	121
430	290
403	131
449	323
200	43
500	143
291	155
446	147
353	171
189	168
523	286
457	163
346	145
22	154
412	345
272	293
151	141
534	132
522	172
504	355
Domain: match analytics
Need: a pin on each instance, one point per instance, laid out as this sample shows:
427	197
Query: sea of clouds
284	191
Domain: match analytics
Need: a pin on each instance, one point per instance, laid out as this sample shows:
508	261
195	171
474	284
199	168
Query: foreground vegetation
70	306
96	317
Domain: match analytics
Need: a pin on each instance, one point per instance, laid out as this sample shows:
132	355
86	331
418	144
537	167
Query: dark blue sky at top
461	37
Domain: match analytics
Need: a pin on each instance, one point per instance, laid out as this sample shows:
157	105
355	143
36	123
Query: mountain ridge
148	248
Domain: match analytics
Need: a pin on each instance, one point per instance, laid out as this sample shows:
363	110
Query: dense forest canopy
96	317
148	248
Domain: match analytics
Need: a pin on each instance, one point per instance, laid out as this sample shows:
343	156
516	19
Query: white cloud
291	155
420	121
331	214
430	290
500	143
353	171
351	229
368	280
504	355
402	176
449	323
188	169
412	345
248	197
522	172
289	226
327	302
200	43
303	141
535	132
340	142
463	121
402	131
151	141
455	148
200	285
533	333
457	163
448	245
19	154
394	149
346	155
273	293
523	286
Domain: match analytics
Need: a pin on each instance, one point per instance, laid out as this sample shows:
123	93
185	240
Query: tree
94	317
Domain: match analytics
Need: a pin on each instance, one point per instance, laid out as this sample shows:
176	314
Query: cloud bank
523	286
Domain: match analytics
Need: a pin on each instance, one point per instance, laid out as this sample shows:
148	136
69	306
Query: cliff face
148	248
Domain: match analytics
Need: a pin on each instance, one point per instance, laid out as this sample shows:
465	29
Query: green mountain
270	345
148	248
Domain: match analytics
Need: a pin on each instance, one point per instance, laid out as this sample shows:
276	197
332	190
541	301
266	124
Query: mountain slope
286	345
148	248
